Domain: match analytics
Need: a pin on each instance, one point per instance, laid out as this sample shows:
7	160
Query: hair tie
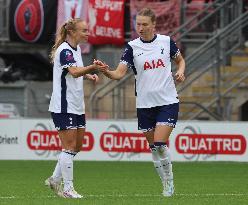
65	24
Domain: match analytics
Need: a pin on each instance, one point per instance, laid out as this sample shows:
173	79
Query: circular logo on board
29	20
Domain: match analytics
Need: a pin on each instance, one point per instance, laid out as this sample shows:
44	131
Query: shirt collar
153	39
75	49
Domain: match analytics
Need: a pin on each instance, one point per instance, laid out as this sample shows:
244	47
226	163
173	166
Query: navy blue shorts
148	118
66	121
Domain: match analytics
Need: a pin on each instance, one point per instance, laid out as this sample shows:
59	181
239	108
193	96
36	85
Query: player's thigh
162	133
66	124
147	122
149	136
80	137
68	138
166	120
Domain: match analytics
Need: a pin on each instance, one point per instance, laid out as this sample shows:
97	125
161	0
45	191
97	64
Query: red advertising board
210	144
106	22
49	140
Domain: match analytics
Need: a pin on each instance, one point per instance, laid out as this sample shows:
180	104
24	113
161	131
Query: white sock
66	164
57	174
157	163
165	160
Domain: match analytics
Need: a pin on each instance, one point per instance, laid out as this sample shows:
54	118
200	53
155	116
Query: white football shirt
68	94
151	64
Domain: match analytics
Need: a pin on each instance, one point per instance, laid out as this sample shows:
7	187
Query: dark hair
147	12
63	31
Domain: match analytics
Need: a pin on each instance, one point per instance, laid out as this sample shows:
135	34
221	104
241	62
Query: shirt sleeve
67	59
174	51
127	56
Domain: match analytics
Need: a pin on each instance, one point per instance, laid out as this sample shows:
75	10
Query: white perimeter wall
37	139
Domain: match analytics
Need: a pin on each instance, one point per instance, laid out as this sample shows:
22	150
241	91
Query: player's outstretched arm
180	77
81	71
116	74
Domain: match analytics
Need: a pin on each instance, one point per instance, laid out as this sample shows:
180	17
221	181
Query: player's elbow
120	75
116	77
74	73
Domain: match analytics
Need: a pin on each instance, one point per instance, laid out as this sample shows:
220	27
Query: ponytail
60	38
63	31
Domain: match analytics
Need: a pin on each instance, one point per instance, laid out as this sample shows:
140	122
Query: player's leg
161	136
81	124
66	124
80	137
69	138
79	140
80	131
55	181
146	123
155	156
166	121
57	174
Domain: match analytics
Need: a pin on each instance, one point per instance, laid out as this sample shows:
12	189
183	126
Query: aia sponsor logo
49	140
210	144
154	64
29	20
123	142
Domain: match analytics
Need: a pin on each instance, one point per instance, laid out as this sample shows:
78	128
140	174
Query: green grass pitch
131	183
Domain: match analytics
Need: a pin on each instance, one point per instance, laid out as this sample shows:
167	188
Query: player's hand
93	77
179	76
98	62
101	66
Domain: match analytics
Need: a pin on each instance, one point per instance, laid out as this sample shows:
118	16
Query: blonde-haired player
67	101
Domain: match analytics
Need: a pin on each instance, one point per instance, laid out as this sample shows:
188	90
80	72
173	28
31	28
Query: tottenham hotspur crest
162	50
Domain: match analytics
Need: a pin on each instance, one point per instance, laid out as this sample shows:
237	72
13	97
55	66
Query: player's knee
161	148
78	149
154	151
70	145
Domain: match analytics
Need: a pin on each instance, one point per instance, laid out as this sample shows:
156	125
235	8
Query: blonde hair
62	33
147	12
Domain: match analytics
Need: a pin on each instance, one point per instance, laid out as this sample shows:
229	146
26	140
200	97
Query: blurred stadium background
213	37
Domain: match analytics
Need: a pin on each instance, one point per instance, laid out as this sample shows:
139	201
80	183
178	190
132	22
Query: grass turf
131	183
